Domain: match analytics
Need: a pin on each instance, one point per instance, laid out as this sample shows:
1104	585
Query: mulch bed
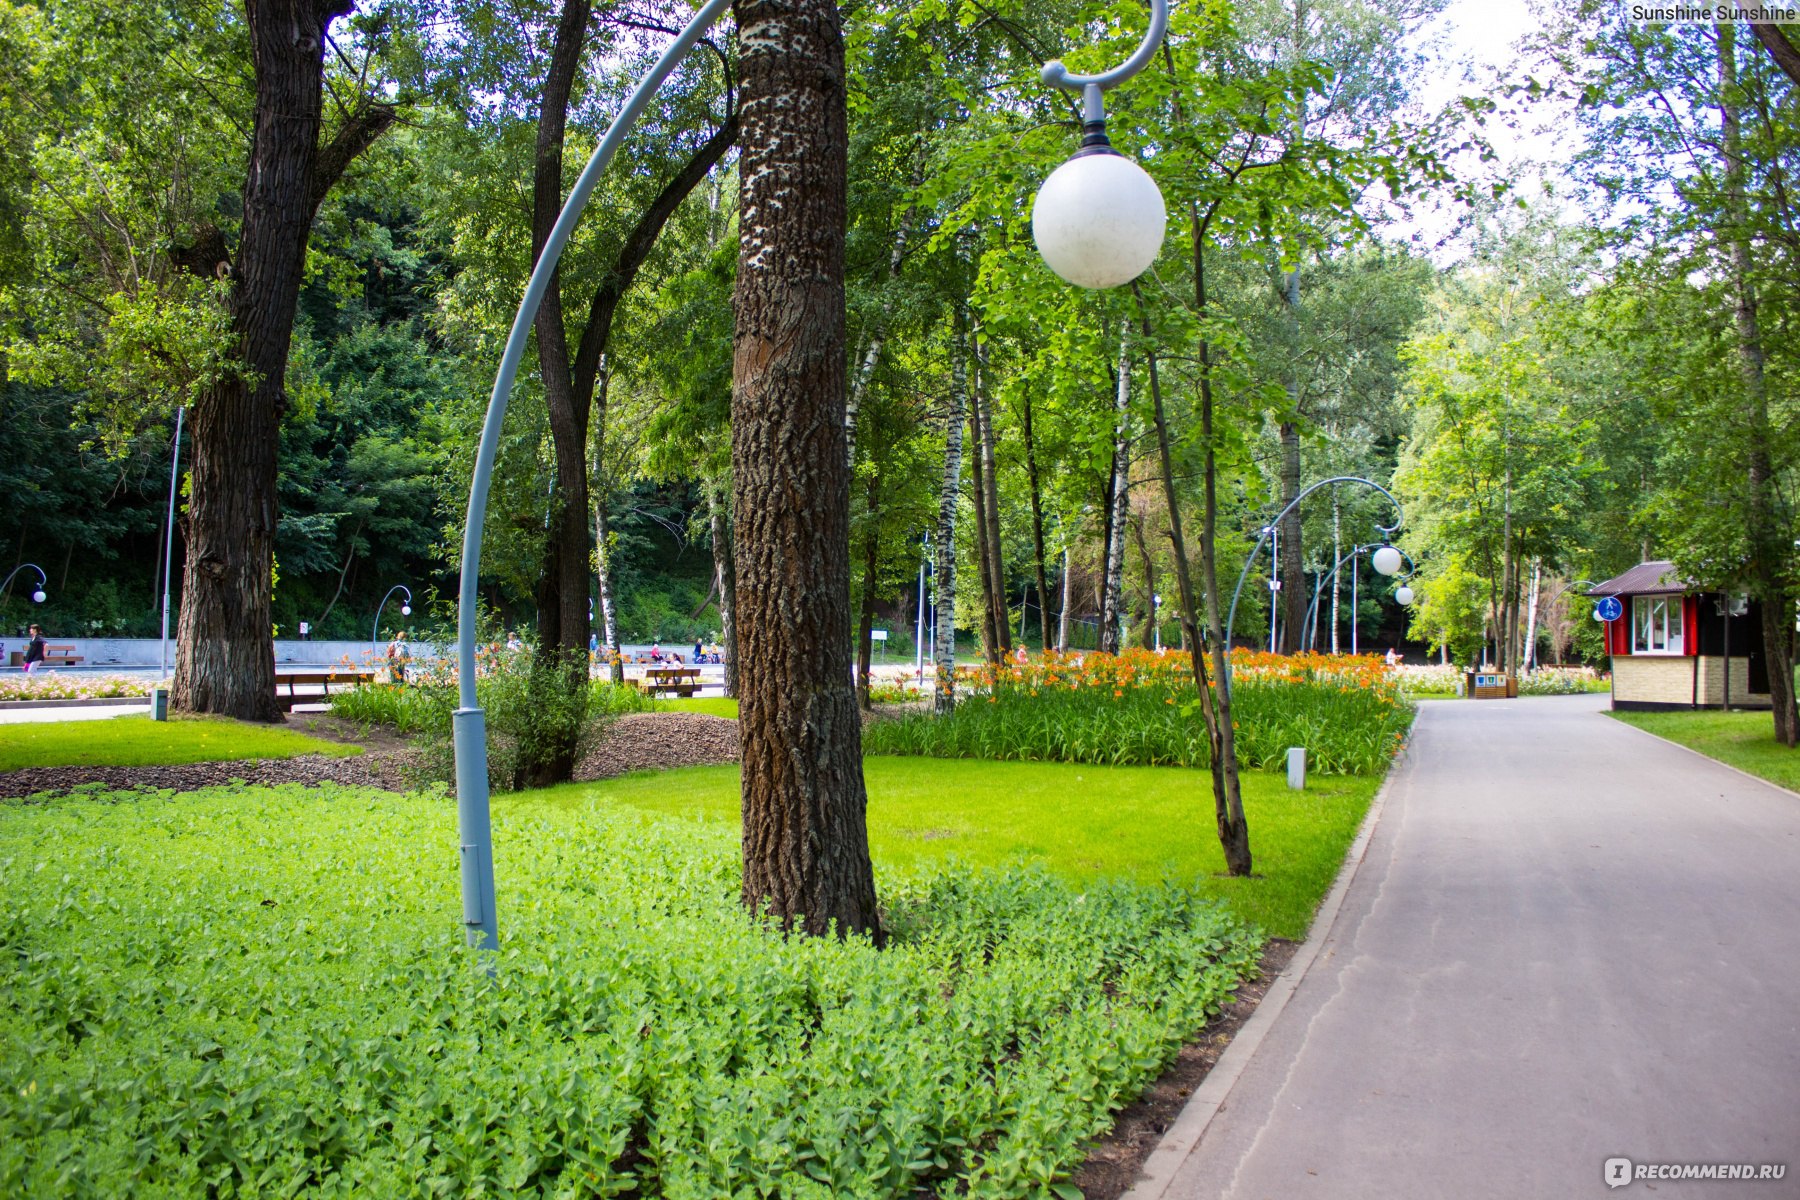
655	741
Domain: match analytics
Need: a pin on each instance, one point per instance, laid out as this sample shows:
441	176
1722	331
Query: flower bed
1142	708
58	685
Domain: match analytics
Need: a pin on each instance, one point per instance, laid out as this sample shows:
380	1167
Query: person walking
34	652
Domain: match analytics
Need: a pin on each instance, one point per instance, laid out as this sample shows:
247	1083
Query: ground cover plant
1141	708
1739	739
137	741
59	685
1077	821
262	991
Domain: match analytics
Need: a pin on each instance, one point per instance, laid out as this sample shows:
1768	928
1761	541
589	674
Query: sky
1474	44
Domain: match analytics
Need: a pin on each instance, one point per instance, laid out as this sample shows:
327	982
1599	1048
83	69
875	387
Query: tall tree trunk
877	339
601	493
562	623
1112	617
570	381
225	653
718	499
1148	639
805	839
1770	540
1215	703
989	477
1062	616
865	632
1293	562
1037	530
949	492
1228	797
984	555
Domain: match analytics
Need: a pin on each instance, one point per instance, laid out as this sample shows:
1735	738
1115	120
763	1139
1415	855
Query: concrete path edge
1160	1169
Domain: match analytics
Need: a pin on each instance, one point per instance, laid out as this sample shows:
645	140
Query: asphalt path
1568	942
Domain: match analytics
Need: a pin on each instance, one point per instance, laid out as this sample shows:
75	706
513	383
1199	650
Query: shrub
1142	709
527	709
50	684
260	991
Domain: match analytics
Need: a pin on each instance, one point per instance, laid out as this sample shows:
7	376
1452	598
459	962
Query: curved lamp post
1403	594
405	611
469	725
1386	530
37	595
1099	219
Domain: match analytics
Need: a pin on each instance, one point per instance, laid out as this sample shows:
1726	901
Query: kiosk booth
1674	646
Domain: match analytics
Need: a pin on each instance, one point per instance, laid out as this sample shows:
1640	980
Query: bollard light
1099	219
1404	595
1386	560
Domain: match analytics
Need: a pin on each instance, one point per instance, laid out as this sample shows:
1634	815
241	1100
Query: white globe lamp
1099	219
406	610
37	597
1404	595
1386	560
1597	616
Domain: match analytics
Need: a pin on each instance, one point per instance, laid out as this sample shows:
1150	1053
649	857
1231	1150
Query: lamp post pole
37	596
919	625
1386	530
169	542
1313	609
405	611
469	723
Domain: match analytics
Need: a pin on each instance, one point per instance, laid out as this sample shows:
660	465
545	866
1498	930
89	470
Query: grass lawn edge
1625	719
1155	1168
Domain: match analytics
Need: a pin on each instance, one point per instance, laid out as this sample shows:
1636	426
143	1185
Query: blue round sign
1609	609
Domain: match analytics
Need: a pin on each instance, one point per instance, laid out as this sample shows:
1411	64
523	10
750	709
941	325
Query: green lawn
137	741
1745	740
1143	822
712	706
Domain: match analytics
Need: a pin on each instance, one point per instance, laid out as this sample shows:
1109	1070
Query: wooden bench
54	656
323	679
683	681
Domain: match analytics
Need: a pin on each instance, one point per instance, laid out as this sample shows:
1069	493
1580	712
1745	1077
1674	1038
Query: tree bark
806	847
949	492
1112	588
1770	540
877	339
1775	41
225	656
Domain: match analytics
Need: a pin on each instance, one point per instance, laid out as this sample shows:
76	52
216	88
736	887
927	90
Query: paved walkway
1569	941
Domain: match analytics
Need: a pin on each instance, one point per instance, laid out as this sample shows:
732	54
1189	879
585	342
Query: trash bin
159	704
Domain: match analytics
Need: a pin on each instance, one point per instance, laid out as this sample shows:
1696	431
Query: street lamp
468	723
1099	219
37	595
1387	530
1156	618
405	611
1404	594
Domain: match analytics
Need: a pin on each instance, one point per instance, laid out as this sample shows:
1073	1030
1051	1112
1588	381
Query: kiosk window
1656	625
